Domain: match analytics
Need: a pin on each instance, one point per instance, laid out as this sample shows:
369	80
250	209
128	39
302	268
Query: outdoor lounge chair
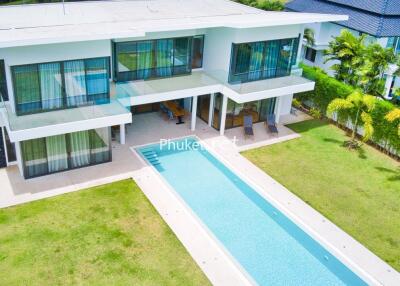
271	123
248	125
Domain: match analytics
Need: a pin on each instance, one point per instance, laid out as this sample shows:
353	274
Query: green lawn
358	190
108	235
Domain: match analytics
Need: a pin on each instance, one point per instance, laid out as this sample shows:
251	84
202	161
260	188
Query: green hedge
328	88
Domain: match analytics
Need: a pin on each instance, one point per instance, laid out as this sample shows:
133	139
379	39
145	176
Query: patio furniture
176	110
248	125
271	123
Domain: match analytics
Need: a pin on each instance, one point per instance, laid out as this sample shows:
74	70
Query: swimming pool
269	246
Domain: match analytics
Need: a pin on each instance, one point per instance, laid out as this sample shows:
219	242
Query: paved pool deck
215	263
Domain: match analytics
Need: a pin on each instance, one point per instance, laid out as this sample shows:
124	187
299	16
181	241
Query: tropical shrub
296	103
268	5
315	113
327	88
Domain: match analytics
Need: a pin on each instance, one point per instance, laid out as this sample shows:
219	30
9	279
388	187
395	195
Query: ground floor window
67	151
310	54
235	112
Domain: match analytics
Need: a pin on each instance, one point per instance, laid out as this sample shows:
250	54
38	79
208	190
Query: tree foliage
358	64
268	5
309	36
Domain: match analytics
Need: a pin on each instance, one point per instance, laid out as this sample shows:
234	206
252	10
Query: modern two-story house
69	74
379	19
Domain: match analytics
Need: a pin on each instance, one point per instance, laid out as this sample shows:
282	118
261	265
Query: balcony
63	121
202	82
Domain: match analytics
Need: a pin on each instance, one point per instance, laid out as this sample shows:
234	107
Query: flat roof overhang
200	83
58	122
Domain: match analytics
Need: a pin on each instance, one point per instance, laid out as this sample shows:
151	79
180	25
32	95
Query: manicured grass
358	190
108	235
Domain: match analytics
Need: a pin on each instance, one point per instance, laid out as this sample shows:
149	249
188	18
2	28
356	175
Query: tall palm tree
309	36
348	50
393	116
358	107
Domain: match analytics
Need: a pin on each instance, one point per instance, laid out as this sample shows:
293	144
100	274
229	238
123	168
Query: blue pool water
269	246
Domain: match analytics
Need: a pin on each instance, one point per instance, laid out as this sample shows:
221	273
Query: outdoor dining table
176	110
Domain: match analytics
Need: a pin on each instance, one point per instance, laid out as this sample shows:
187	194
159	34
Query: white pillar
388	85
19	157
194	111
278	106
211	111
122	134
223	114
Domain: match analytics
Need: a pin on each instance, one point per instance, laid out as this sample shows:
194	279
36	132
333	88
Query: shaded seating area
248	125
173	110
271	124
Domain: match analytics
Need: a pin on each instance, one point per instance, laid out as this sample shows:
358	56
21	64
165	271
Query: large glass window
153	58
58	85
197	51
3	81
67	151
261	60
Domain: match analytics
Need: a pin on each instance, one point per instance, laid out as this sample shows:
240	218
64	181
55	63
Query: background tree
358	107
376	62
348	50
268	5
393	116
309	36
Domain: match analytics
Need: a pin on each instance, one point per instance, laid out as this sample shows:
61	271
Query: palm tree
377	61
309	36
348	50
358	107
393	116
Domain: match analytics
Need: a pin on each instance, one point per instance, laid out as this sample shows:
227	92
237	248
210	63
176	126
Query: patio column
223	114
194	111
278	108
211	111
122	134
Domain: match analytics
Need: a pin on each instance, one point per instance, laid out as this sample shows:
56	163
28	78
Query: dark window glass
59	85
197	52
152	58
3	81
261	60
67	151
310	54
11	155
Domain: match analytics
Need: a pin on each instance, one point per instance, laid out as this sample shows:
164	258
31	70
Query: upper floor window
153	58
394	43
60	85
261	60
197	52
3	81
310	54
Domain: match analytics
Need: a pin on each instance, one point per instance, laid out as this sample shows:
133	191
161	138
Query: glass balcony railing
61	116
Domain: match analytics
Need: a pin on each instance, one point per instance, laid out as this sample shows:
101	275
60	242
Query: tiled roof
380	18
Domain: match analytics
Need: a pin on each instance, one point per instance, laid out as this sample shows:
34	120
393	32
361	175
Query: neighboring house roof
47	23
380	18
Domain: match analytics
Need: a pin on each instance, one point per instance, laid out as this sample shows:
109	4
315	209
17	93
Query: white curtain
75	83
80	148
56	148
50	85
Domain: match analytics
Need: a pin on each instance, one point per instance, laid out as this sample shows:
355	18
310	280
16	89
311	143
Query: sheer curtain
80	148
57	158
164	58
271	58
34	157
255	70
27	90
75	83
144	59
100	145
50	85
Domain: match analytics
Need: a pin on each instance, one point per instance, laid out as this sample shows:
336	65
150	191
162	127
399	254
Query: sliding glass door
261	60
67	151
58	85
3	81
153	58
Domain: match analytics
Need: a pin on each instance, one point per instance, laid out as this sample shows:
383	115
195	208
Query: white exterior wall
286	104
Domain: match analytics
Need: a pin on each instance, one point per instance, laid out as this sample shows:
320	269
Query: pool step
151	156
